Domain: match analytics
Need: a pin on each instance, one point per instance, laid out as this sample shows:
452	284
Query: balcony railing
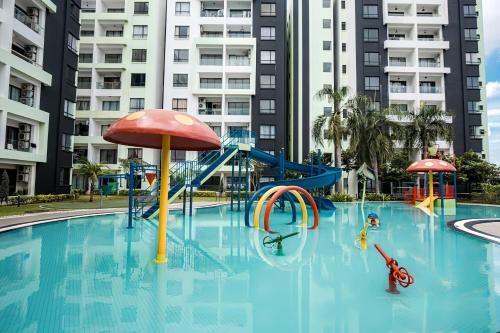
238	61
399	89
212	12
17	145
112	59
211	61
427	14
238	84
25	58
211	85
238	111
114	33
108	85
240	13
397	63
26	20
428	63
212	111
86	33
429	90
239	34
88	10
429	38
116	10
84	85
397	37
394	13
212	34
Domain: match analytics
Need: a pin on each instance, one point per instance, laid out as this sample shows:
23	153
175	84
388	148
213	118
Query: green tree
91	171
349	160
394	170
257	168
4	187
370	133
331	127
472	169
424	127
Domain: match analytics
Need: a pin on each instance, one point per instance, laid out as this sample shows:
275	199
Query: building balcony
411	44
36	72
216	12
104	40
108	85
22	17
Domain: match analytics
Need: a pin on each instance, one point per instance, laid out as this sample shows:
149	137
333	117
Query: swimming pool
93	275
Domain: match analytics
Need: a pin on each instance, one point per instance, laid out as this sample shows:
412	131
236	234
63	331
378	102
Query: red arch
278	194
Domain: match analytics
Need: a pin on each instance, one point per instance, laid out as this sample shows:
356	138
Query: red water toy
396	273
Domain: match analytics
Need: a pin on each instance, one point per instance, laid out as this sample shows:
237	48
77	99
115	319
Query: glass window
370	11
141	7
212	83
104	128
181	55
372	59
344	47
267	9
111	105
327	23
267	33
267	81
400	107
64	176
472	59
181	32
134	153
344	69
473	82
343	25
470	11
179	104
327	111
180	80
267	132
182	8
233	83
140	32
267	106
327	3
471	34
69	109
268	57
73	43
82	104
139	55
327	67
138	80
327	45
107	156
67	142
85	58
71	76
474	107
370	35
136	104
238	108
178	155
113	58
372	83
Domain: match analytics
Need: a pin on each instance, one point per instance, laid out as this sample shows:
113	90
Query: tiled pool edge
466	226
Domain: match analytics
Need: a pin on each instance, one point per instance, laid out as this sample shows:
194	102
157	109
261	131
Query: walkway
18	221
487	229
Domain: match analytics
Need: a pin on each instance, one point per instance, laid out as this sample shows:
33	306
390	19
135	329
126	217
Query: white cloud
493	89
491	18
493	113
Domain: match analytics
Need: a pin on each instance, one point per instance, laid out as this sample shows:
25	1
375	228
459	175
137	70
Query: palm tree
425	126
91	171
332	123
370	133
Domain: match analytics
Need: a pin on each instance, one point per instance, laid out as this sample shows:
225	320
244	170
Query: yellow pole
162	226
431	192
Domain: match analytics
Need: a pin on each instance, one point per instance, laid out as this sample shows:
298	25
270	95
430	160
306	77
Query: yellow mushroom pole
431	192
162	226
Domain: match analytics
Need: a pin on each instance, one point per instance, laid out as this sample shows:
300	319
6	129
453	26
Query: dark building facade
62	29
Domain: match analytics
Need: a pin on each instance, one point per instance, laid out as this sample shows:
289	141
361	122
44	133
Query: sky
491	14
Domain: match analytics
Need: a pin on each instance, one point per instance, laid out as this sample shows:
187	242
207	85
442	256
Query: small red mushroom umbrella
431	165
164	130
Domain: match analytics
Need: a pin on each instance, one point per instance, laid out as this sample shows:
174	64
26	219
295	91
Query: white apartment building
120	71
23	125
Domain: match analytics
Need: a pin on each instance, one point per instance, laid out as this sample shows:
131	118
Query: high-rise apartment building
62	30
24	125
120	70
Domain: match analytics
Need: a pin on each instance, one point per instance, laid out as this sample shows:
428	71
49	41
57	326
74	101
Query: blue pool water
94	275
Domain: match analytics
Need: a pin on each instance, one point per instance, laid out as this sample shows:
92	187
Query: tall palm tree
332	123
425	126
91	171
370	133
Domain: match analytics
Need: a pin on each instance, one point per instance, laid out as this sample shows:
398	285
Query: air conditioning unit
27	86
33	11
22	178
202	103
10	146
482	132
23	145
27	101
24	136
23	169
30	52
24	127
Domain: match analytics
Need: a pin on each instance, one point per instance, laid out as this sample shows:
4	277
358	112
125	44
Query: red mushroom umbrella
164	130
431	165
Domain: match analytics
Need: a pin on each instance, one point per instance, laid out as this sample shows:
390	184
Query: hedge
341	197
378	197
40	198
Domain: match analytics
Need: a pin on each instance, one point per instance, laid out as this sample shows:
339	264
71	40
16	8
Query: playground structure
443	195
396	273
371	223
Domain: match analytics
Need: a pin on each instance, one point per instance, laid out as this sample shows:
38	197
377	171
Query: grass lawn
81	203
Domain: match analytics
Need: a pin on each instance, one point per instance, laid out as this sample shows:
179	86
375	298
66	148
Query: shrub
136	192
378	197
40	198
341	197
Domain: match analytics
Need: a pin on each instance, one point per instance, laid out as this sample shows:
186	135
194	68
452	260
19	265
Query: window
326	3
110	105
474	107
104	128
343	25
344	69
472	59
136	104
139	55
372	59
267	9
178	155
267	132
238	83
181	55
179	104
84	82
210	83
267	33
470	11
83	104
370	35
112	58
71	76
475	132
342	4
267	106
69	109
327	111
370	11
473	82
73	43
181	32
86	33
14	93
238	108
67	142
134	153
327	24
268	57
400	107
344	47
74	10
141	7
140	32
182	9
85	58
267	81
64	176
327	45
180	80
107	156
471	34
327	67
372	83
137	80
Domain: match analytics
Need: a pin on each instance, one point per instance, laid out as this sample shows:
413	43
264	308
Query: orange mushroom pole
161	256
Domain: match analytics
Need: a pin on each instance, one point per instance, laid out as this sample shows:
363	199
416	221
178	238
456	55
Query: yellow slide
424	206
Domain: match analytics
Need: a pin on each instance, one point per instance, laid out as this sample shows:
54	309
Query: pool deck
487	229
18	221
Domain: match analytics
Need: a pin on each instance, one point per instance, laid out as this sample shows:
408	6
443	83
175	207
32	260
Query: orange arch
278	194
